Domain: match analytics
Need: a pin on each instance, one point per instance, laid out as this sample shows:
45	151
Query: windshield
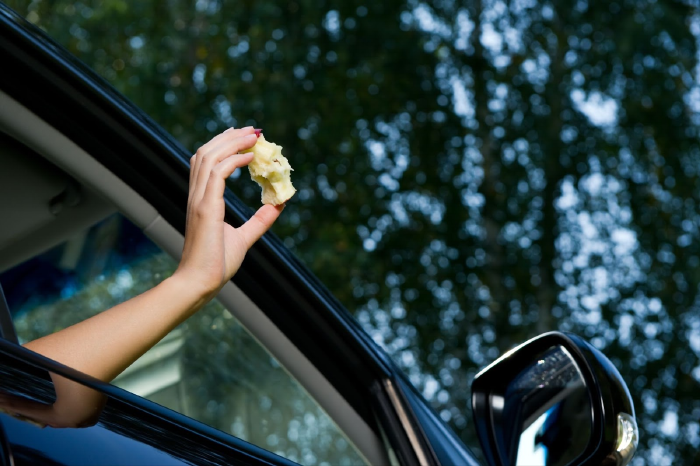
469	174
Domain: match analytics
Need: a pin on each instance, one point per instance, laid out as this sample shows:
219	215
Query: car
275	371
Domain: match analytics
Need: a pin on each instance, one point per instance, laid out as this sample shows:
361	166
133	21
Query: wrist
187	291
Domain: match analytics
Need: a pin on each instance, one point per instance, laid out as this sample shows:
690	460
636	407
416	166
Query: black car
275	370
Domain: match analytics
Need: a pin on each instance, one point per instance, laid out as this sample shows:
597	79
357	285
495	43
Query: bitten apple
271	170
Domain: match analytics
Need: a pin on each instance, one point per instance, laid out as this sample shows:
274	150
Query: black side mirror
554	401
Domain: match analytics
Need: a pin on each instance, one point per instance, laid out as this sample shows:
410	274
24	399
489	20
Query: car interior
51	189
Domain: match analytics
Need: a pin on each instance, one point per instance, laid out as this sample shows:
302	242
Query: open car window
210	368
70	254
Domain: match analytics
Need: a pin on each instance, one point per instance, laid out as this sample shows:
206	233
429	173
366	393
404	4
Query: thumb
259	223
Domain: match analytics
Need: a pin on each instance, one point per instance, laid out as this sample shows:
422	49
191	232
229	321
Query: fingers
259	223
212	165
213	147
216	184
233	142
227	135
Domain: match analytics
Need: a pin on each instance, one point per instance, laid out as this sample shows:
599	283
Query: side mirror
554	401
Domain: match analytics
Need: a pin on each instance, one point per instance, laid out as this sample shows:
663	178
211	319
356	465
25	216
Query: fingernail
257	132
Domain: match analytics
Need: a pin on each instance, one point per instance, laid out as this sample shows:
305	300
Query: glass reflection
48	419
547	412
53	401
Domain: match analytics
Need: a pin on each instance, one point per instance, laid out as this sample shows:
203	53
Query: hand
107	343
214	250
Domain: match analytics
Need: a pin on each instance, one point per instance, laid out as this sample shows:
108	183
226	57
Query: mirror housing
554	400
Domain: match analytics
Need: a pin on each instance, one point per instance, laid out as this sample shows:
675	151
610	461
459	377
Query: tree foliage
470	173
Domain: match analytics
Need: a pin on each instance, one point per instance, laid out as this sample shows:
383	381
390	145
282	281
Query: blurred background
470	173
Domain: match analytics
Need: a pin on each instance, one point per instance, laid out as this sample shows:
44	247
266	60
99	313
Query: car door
125	165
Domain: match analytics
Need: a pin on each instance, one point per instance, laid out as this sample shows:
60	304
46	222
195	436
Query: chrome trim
406	423
627	438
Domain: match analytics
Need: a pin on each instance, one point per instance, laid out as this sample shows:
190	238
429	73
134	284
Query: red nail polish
257	132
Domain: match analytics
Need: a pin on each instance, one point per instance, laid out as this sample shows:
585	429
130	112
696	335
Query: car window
209	368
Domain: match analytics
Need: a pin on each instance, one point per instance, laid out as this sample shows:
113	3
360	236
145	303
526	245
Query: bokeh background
470	173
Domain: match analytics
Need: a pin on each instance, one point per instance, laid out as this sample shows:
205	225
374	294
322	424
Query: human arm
106	344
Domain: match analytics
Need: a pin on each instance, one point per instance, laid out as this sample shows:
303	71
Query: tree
470	174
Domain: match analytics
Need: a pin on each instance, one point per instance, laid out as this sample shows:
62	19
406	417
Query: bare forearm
106	344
